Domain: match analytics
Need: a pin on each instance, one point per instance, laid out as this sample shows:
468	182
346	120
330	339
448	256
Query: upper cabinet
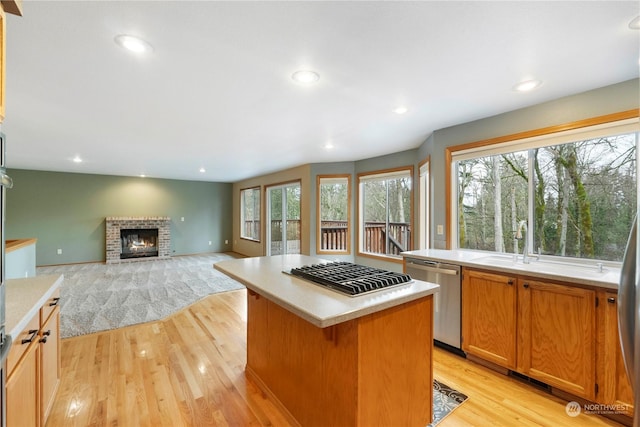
13	7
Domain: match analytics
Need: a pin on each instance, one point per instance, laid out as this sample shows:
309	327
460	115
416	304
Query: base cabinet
49	362
33	368
615	388
489	321
556	335
540	329
22	390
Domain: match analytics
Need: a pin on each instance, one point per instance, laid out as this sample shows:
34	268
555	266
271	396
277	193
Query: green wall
586	105
68	210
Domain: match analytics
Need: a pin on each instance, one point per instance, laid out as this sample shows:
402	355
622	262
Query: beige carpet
96	297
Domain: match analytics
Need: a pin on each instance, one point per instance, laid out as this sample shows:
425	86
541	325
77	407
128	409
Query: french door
283	219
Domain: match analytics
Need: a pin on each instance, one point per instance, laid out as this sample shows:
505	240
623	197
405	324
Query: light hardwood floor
188	370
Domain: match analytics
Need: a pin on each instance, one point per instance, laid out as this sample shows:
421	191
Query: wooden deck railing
333	235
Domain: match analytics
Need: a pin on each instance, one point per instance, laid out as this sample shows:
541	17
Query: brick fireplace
114	239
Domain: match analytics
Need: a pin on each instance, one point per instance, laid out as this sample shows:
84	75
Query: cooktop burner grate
349	278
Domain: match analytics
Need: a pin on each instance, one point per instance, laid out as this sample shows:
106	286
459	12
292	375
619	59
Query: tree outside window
250	213
385	212
577	198
334	200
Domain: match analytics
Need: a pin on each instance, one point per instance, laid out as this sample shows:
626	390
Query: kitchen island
329	359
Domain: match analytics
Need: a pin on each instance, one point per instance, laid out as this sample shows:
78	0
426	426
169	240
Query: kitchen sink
542	266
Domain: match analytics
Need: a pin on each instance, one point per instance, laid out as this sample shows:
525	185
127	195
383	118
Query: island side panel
396	376
373	370
309	372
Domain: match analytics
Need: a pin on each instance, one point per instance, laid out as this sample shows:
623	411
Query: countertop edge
56	281
519	269
15	244
324	322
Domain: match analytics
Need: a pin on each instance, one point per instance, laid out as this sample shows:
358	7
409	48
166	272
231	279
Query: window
570	194
250	213
283	218
385	203
424	208
334	206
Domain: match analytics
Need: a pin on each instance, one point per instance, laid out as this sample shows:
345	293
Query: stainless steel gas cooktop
351	279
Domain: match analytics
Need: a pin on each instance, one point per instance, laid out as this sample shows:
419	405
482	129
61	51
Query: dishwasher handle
440	270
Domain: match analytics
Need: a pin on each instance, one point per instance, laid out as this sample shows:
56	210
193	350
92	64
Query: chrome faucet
522	225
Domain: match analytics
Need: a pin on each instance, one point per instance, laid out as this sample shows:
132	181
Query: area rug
96	297
445	400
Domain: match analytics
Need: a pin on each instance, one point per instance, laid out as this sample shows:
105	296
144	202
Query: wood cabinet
489	316
541	329
49	356
22	378
614	386
3	31
374	370
556	335
33	368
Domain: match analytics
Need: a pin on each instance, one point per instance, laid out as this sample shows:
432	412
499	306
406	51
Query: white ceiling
217	93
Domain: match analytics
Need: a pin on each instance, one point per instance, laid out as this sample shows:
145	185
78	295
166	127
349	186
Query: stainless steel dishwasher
447	303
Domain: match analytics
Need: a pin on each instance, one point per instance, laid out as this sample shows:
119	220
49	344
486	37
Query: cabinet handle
525	285
510	282
611	300
33	333
43	340
55	302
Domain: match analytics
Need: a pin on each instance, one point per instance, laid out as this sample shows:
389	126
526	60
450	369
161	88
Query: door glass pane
334	214
293	219
374	195
275	215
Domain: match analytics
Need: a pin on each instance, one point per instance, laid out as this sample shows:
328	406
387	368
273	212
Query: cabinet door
556	335
22	391
614	386
50	362
489	319
3	30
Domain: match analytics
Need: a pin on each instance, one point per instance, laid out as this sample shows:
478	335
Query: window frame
424	204
554	135
390	173
319	249
258	190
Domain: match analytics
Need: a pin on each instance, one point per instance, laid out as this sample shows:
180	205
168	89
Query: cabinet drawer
18	349
49	306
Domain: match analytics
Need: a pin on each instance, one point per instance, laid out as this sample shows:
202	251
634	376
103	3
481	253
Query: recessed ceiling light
133	43
328	145
202	170
306	77
77	159
400	110
527	85
635	23
142	175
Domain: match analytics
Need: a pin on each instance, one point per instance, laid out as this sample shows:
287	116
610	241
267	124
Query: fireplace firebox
139	243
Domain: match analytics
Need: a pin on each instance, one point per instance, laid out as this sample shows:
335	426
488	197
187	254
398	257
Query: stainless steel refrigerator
629	317
5	341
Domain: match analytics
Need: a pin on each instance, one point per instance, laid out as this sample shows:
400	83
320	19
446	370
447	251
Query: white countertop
23	300
319	306
586	274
